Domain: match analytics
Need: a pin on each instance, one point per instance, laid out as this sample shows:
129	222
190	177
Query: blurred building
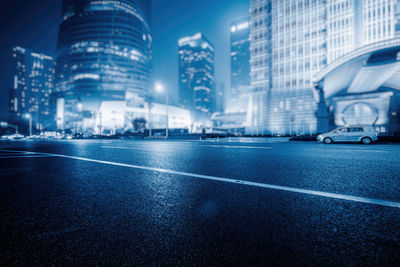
120	116
32	88
240	66
291	41
232	122
197	89
103	53
220	98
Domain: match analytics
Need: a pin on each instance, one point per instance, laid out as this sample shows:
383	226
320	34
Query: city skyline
165	36
200	133
289	43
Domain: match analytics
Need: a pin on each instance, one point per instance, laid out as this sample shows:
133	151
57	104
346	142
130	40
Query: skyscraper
103	53
291	41
352	24
240	65
260	64
32	87
196	74
220	98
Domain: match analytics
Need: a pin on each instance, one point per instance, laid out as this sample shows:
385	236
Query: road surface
213	203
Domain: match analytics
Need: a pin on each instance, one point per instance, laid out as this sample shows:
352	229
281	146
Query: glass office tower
260	65
196	74
240	65
293	40
103	53
32	87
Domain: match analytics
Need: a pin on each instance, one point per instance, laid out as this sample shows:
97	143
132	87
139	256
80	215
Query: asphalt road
152	203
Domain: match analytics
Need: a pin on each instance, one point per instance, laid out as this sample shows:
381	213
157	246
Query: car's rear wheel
328	140
366	140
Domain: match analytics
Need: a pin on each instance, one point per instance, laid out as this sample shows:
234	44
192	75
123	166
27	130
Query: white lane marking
365	200
225	146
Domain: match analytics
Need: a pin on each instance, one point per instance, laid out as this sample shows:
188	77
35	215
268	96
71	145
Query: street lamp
149	100
29	117
160	89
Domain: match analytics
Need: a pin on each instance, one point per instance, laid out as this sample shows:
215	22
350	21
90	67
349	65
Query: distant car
363	134
13	137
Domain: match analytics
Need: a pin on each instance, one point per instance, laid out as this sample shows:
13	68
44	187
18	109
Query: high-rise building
220	98
32	88
103	53
260	63
353	23
379	19
293	40
196	74
240	65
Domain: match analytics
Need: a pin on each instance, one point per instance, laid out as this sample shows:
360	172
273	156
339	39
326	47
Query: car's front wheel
366	140
328	140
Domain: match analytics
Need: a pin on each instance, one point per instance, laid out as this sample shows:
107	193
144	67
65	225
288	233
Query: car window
342	130
355	130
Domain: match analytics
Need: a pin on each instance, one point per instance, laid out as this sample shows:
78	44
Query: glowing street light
160	89
29	117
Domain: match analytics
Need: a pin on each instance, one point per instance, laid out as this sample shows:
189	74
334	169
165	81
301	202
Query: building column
322	112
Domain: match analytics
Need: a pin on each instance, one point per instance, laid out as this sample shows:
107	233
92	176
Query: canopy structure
362	87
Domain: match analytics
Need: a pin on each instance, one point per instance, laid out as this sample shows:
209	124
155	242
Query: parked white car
363	134
13	137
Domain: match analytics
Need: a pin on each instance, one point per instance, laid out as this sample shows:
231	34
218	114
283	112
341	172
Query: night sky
34	24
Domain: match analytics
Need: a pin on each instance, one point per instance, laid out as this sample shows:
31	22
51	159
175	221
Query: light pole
149	101
29	117
160	89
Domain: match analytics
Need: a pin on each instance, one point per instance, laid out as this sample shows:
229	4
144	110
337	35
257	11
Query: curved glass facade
104	48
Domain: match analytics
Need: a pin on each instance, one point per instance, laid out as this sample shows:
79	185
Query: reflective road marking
366	200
